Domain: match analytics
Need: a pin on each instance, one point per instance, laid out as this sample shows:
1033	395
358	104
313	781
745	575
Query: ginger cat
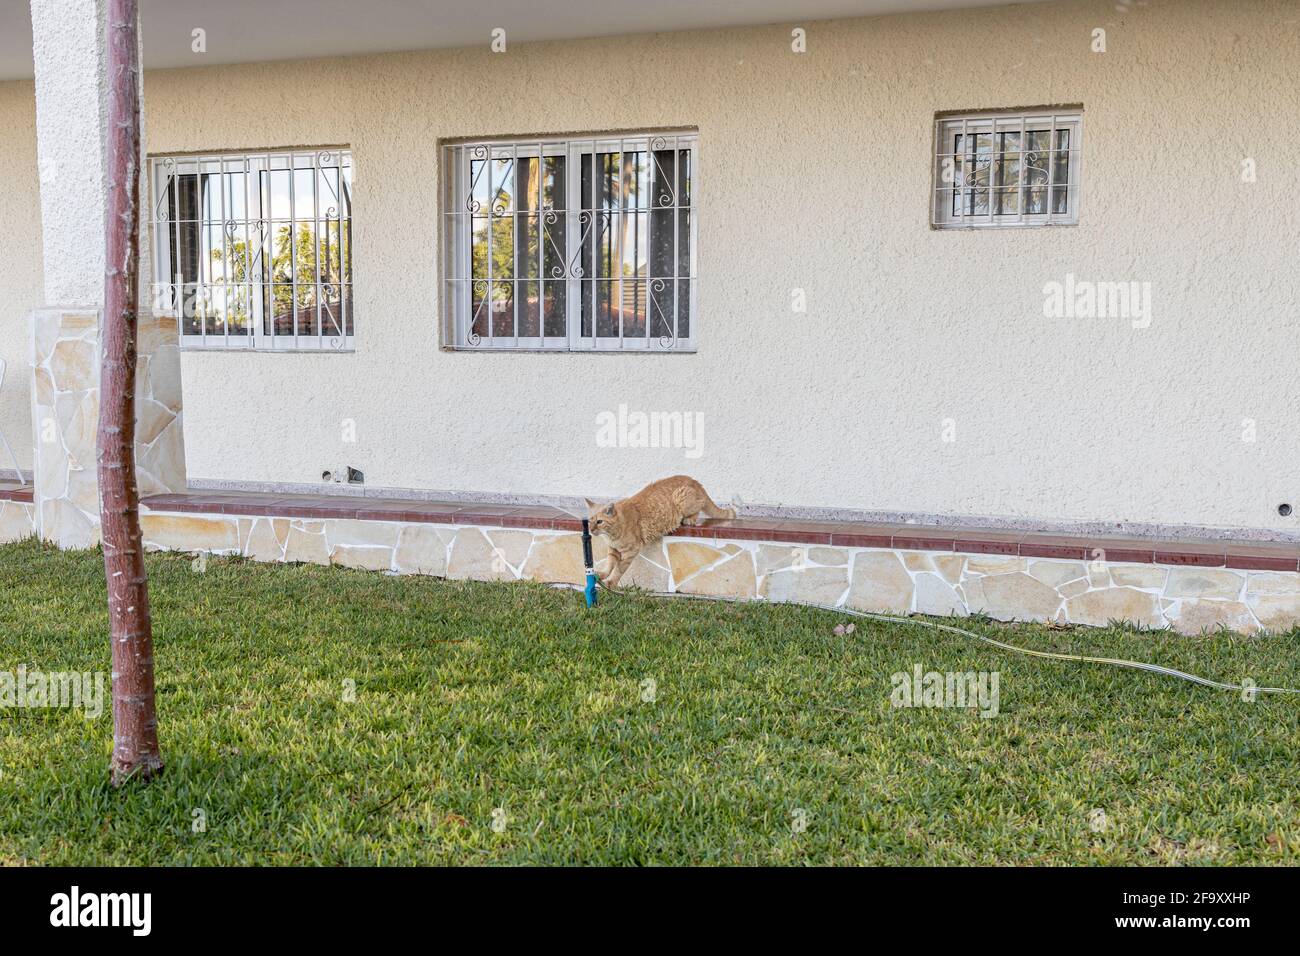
659	508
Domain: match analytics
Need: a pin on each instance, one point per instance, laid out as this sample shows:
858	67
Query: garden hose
1242	688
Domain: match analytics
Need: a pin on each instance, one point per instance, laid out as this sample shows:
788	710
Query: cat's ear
591	505
610	511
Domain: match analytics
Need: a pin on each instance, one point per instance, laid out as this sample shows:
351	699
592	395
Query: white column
71	85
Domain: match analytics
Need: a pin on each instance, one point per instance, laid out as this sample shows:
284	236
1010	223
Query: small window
254	250
1007	169
570	244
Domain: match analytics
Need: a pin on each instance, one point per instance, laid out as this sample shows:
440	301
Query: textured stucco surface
71	111
20	265
815	175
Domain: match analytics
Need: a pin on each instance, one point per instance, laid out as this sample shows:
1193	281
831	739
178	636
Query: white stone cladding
1191	600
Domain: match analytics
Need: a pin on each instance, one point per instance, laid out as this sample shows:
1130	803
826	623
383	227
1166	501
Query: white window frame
459	206
170	294
949	165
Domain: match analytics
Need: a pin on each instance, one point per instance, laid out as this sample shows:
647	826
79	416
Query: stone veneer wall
17	521
65	418
1187	598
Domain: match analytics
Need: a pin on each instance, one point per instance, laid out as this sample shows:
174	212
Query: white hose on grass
1050	655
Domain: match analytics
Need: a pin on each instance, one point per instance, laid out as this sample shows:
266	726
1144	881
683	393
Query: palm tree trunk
135	724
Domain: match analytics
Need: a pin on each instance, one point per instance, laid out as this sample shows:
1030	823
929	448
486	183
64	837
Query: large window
1007	169
571	244
254	250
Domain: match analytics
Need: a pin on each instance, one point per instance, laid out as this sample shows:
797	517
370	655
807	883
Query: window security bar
254	250
1007	169
571	244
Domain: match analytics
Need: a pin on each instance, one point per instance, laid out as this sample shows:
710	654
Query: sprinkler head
589	592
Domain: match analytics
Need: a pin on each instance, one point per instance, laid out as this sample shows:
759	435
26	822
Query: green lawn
472	697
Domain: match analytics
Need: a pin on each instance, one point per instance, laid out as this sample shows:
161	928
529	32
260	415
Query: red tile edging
1231	553
20	494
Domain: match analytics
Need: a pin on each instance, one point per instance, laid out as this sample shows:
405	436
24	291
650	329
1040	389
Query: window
1007	169
571	245
254	250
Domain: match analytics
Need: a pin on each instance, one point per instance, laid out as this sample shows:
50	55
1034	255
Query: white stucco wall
71	114
20	265
815	174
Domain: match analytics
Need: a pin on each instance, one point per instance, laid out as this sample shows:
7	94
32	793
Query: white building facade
1032	265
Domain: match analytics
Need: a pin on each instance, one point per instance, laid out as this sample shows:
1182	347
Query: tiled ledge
1216	553
877	568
